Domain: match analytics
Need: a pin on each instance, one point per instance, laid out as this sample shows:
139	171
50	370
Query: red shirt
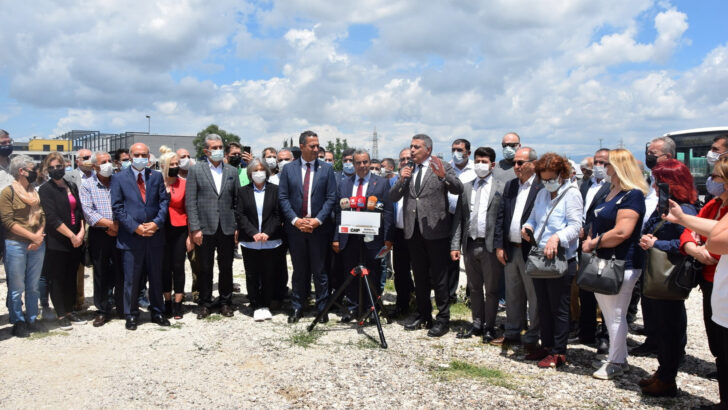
708	211
177	210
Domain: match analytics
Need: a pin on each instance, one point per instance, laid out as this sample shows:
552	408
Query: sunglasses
599	162
512	145
520	162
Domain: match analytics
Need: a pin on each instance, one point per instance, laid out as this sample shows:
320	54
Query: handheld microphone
410	164
371	203
352	202
379	207
344	203
361	202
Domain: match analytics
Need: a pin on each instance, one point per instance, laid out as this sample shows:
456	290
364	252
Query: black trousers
721	360
649	313
173	267
280	284
403	284
711	328
60	268
554	308
352	256
308	255
108	273
225	246
261	269
429	258
671	323
453	277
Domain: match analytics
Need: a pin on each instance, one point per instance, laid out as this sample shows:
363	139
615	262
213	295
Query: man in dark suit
210	201
139	202
593	192
475	217
519	195
403	283
307	194
427	228
363	183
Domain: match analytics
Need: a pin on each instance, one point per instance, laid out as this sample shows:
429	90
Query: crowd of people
136	226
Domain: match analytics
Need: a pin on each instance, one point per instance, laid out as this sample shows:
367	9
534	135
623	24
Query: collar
486	179
594	181
425	163
528	182
100	184
255	188
212	166
468	165
366	178
136	173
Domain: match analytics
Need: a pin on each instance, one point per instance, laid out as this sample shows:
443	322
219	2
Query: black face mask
32	176
173	172
650	161
57	174
234	160
6	150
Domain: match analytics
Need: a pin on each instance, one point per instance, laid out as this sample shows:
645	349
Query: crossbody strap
543	227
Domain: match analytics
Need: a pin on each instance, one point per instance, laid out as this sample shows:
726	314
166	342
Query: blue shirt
605	216
565	220
668	236
259	195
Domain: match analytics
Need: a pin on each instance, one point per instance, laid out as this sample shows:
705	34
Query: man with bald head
139	201
510	143
185	162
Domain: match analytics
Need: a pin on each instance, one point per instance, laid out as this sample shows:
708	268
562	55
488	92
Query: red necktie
306	186
359	190
142	188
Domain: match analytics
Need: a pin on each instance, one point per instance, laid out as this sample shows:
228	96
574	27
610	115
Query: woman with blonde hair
177	235
616	231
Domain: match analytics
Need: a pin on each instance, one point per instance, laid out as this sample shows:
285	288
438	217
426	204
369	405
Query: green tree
337	148
199	141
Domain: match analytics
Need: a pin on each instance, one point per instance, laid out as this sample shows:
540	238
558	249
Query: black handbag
688	273
538	266
604	276
659	281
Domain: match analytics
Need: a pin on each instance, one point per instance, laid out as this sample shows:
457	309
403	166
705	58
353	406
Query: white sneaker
266	314
258	315
608	371
597	364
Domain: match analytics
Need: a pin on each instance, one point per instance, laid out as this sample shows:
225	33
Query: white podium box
360	223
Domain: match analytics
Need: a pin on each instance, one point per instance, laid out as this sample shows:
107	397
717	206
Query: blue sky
562	75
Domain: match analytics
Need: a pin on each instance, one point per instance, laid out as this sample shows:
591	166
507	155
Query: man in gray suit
210	201
475	217
427	227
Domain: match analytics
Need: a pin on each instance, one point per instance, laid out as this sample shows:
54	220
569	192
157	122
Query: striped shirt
95	200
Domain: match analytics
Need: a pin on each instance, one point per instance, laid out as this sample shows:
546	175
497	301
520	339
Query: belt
99	228
516	244
477	240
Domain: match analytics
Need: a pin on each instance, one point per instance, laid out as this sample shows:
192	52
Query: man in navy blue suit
307	193
139	201
366	184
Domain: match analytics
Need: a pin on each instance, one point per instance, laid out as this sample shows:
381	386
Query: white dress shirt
216	172
364	187
399	217
650	205
514	231
565	220
484	185
465	175
416	170
310	182
591	193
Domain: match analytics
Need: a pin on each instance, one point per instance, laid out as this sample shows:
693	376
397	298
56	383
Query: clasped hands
307	225
146	229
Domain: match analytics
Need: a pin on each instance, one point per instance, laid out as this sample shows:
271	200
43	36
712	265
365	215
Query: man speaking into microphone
427	226
368	189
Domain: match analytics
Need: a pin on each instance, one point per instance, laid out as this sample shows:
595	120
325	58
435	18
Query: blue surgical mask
509	152
125	164
69	170
348	168
217	155
457	157
140	163
552	185
714	188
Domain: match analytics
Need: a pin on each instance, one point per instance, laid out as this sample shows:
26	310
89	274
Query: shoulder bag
660	279
538	266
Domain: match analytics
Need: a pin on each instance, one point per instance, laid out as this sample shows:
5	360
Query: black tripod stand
362	273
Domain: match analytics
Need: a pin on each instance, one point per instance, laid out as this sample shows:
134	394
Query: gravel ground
236	362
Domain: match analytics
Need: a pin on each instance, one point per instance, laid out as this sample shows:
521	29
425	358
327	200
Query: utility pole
600	143
375	144
149	124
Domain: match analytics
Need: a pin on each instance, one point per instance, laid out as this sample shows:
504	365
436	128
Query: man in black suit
307	194
403	283
210	200
593	192
427	228
363	183
519	195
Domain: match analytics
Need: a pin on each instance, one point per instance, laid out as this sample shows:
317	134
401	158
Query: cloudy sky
562	73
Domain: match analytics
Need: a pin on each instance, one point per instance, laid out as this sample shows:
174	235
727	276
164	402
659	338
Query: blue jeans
23	268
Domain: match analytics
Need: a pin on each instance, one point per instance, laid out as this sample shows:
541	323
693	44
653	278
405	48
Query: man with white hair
84	170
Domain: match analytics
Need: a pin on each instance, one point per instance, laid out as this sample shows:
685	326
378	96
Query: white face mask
283	163
258	177
105	170
481	170
184	163
509	152
271	162
457	157
600	172
140	163
552	185
217	155
713	157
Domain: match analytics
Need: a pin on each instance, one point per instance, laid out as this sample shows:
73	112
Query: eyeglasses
86	158
512	145
57	167
600	162
520	162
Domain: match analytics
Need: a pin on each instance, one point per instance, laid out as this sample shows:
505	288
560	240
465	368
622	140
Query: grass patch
43	335
459	369
389	286
460	311
176	325
367	343
213	318
304	338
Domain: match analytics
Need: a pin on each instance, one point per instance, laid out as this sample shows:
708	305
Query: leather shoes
226	311
418	323
467	334
658	388
503	341
643	350
203	312
438	329
99	320
131	323
647	381
160	319
488	335
295	316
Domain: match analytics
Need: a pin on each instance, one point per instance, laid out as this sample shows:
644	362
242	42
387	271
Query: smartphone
663	198
246	148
